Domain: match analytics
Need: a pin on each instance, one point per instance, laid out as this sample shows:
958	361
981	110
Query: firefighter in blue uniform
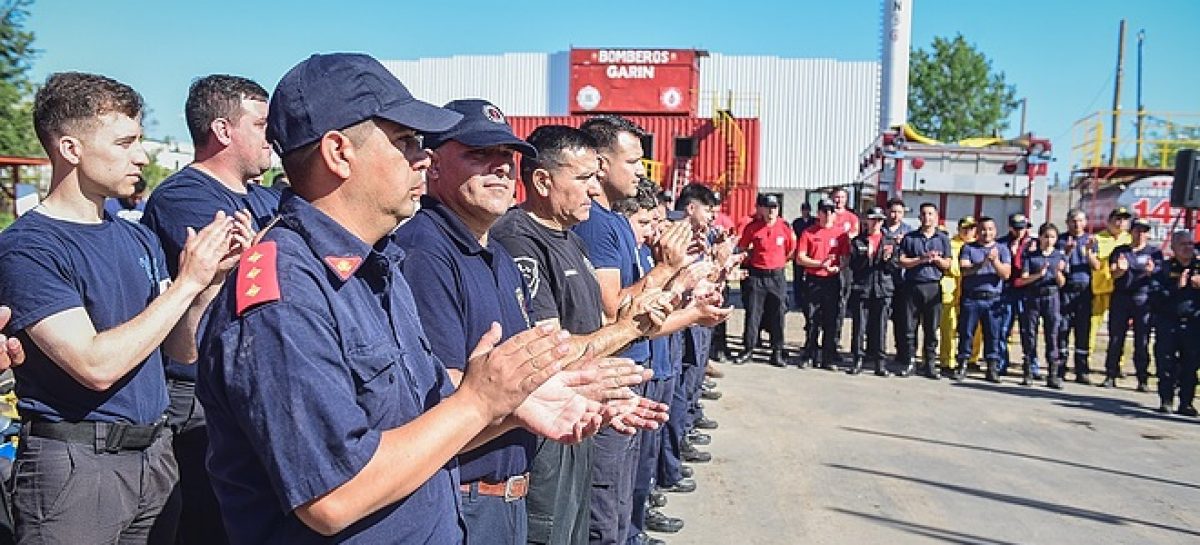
1175	297
1132	266
1042	274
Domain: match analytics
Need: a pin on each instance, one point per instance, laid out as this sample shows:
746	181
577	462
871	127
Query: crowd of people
387	351
966	293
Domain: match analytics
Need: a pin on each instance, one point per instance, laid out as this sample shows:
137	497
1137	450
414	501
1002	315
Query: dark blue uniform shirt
112	269
916	244
460	288
190	198
611	245
1136	281
660	347
298	391
1035	262
984	279
1079	268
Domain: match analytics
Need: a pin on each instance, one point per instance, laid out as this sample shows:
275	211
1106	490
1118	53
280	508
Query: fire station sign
634	81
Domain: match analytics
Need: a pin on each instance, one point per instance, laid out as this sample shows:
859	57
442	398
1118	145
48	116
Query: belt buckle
115	437
510	484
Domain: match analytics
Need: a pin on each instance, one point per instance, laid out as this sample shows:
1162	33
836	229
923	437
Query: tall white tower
897	41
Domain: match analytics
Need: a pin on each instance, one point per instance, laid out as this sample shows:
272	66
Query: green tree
155	173
954	93
16	54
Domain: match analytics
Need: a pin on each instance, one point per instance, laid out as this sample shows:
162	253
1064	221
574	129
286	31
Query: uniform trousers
1041	305
1128	307
1177	355
764	294
868	328
1076	308
923	309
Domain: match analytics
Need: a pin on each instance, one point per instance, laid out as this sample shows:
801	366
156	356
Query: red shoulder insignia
257	277
344	267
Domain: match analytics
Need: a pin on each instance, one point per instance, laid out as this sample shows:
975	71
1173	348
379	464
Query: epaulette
257	276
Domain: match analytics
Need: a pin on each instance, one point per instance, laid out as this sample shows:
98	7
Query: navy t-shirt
190	198
460	288
112	269
1079	268
298	391
660	347
916	244
611	245
1036	261
1136	280
984	279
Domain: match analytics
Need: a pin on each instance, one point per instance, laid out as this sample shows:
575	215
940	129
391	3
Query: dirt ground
812	456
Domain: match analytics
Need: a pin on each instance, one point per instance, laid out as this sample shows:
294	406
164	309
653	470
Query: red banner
634	81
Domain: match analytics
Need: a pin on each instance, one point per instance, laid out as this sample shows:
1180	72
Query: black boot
993	374
1054	376
909	367
777	358
855	366
960	372
880	369
1027	375
931	369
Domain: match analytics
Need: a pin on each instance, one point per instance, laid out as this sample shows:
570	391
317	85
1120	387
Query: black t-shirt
562	282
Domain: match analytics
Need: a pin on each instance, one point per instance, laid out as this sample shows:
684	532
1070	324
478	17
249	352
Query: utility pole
1141	108
1116	116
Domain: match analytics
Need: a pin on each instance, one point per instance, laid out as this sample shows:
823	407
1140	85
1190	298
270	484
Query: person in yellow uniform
950	295
1115	235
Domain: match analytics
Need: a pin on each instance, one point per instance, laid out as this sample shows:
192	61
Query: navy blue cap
676	215
826	204
483	125
334	91
766	199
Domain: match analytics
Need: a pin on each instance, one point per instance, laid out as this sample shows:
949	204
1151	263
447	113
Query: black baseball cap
1140	223
328	92
483	125
766	199
876	213
1120	212
826	204
1018	221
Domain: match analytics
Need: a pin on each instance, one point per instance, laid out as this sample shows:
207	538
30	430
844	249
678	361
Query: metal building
814	114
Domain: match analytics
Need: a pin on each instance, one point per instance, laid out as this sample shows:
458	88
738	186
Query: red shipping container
715	156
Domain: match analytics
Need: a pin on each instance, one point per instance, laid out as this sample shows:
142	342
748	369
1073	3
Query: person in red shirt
769	241
847	220
822	250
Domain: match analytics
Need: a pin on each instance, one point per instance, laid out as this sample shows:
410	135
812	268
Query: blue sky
1059	54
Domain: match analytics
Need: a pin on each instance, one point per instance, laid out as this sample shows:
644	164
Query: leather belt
982	296
109	437
512	489
763	273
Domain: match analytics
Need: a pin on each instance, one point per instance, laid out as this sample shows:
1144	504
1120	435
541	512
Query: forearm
104	358
405	459
678	321
180	344
910	262
1003	270
807	262
492	431
607	340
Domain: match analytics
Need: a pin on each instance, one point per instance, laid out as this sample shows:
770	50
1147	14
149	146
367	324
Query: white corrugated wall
817	114
519	83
